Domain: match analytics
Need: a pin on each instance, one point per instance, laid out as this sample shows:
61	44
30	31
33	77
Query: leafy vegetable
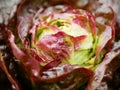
59	47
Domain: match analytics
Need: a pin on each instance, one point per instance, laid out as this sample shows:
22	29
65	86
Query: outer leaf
101	69
32	68
14	83
64	77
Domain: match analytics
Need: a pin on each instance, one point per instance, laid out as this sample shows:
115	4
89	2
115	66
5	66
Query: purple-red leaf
14	83
97	78
29	63
65	77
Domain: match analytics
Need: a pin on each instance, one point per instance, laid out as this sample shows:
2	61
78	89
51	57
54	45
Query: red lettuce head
59	40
